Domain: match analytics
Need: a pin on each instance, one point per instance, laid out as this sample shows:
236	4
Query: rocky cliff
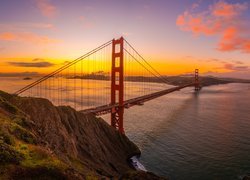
38	139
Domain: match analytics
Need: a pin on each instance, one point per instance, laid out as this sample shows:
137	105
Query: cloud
66	62
238	62
232	74
225	9
241	68
227	21
23	26
37	59
22	74
214	60
27	37
86	23
127	34
31	64
234	67
229	66
40	25
46	8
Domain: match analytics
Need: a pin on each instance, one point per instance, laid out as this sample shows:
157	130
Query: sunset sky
174	36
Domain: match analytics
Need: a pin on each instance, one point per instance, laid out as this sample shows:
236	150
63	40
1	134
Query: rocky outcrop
247	177
136	175
80	145
76	136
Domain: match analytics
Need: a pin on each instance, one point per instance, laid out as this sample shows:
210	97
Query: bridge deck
101	110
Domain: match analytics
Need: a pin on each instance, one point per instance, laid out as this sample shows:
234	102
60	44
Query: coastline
83	145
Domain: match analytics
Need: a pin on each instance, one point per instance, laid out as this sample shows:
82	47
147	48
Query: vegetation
22	134
26	154
7	106
20	156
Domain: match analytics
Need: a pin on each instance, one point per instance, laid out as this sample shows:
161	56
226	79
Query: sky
38	36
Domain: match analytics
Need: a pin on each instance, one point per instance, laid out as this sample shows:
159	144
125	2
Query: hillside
39	140
172	80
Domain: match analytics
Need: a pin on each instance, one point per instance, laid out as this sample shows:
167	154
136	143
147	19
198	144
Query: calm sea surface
185	135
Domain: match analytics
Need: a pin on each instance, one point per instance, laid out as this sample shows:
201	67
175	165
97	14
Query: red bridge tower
196	80
117	84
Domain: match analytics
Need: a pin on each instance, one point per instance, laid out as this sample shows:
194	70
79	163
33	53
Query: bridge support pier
117	84
196	80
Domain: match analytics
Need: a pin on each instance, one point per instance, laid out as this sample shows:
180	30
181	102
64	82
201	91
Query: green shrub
22	121
5	95
22	134
23	147
39	154
8	106
6	138
91	177
9	155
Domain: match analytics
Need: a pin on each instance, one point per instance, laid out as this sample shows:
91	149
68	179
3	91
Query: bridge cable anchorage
165	81
62	68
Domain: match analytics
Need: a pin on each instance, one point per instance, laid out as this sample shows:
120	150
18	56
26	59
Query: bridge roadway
101	110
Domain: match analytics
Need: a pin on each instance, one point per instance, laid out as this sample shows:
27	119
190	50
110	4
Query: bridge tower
196	80
117	84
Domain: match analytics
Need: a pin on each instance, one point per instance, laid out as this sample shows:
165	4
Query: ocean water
201	136
187	135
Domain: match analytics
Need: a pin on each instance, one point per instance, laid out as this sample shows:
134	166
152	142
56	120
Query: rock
60	139
8	155
137	175
73	135
246	177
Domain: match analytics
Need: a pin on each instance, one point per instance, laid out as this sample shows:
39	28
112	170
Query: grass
91	177
22	134
20	156
36	156
21	121
6	138
9	155
8	106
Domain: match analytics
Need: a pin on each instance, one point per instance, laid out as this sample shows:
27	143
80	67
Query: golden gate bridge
108	79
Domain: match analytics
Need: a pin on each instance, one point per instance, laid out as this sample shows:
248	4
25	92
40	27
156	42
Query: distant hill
204	80
172	80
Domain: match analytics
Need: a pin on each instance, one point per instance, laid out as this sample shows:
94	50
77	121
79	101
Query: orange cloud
86	23
20	26
27	37
223	20
235	39
38	26
46	8
228	10
232	67
7	36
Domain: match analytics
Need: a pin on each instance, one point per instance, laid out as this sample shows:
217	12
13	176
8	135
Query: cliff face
73	135
82	145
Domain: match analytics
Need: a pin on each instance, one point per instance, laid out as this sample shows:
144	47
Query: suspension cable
62	68
162	79
165	81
